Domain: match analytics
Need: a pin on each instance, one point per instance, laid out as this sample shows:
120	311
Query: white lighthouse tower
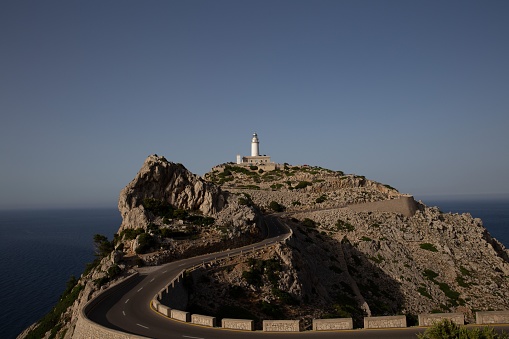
255	150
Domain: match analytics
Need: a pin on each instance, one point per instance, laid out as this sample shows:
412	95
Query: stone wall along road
332	324
431	318
493	317
385	322
238	324
281	325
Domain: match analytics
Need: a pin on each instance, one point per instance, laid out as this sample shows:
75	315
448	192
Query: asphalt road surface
128	308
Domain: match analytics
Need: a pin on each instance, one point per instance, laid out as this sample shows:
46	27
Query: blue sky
414	94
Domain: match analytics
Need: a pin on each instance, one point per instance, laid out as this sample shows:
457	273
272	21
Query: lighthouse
256	160
255	144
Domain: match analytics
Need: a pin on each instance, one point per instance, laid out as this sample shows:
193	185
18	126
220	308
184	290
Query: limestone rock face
163	180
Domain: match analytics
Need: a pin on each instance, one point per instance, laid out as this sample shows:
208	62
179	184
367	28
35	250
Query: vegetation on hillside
446	329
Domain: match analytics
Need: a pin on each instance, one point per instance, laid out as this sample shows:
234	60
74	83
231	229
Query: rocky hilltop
357	250
359	247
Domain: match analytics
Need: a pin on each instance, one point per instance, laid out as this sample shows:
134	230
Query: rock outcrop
166	181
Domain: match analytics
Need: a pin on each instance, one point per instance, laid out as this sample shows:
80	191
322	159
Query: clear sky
414	94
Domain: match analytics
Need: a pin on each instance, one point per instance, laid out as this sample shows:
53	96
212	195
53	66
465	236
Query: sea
41	249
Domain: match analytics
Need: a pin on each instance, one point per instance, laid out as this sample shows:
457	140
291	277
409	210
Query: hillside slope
351	258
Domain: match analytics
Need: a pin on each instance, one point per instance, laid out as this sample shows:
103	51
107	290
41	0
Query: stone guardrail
492	317
238	324
203	320
332	324
431	318
385	322
181	315
281	326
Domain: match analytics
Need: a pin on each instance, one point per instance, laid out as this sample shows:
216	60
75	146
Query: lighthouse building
255	159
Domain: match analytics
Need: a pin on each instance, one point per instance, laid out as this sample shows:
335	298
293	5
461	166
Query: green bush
271	310
253	277
429	247
158	207
430	275
180	214
114	271
464	271
153	229
378	259
168	233
446	329
260	267
250	187
101	281
344	226
461	281
245	200
103	246
309	223
321	199
272	267
285	297
276	207
131	233
201	220
451	294
303	184
422	290
145	243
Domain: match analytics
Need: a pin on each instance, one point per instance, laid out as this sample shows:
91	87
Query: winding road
128	308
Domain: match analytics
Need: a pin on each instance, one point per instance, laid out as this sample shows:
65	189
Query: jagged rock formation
166	181
172	202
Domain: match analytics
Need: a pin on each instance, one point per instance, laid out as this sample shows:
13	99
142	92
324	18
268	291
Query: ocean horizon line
445	197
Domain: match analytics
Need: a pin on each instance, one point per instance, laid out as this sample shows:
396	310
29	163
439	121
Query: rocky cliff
166	181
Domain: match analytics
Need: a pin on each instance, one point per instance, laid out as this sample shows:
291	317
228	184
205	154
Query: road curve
128	309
